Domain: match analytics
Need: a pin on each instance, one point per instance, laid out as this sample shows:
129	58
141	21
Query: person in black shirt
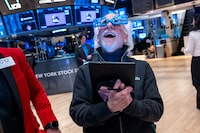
83	51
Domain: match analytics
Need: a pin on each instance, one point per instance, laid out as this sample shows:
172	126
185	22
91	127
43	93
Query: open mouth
109	35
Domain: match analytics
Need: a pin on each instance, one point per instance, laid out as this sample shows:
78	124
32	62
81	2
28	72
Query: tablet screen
111	71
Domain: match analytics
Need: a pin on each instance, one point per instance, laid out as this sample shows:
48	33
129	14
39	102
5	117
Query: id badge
6	62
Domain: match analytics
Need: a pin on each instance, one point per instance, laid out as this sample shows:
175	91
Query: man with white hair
135	108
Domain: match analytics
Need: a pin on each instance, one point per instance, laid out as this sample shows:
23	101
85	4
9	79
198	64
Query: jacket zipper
120	119
120	124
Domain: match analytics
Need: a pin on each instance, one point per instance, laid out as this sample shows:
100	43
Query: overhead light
155	16
44	1
49	1
58	0
73	36
110	1
59	30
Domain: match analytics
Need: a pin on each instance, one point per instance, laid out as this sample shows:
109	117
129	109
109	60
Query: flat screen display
20	22
53	17
2	29
86	14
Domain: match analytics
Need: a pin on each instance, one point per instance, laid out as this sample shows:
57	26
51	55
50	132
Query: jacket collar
98	54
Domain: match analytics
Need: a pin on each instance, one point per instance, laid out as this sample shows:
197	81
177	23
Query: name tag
6	62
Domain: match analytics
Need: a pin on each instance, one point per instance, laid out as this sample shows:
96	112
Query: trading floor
174	82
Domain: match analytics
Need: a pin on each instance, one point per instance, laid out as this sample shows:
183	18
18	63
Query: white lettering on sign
39	76
56	73
76	70
13	6
50	74
25	19
16	6
65	72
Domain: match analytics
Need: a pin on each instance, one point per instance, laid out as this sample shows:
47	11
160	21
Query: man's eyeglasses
117	20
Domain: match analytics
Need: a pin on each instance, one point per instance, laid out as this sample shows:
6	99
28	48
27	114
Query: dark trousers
195	71
1	128
198	99
11	126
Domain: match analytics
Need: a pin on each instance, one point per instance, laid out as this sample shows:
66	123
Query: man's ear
97	38
125	37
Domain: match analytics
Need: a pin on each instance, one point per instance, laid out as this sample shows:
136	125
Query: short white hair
127	28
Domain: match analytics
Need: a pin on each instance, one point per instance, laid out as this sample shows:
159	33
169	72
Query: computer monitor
86	14
54	17
21	22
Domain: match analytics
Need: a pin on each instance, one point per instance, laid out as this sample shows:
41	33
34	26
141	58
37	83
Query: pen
117	90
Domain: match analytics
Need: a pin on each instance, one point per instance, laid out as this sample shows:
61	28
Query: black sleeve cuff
51	125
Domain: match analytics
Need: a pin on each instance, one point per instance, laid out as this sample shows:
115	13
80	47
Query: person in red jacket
18	88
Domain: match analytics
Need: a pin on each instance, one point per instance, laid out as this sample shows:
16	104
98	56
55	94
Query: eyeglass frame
116	20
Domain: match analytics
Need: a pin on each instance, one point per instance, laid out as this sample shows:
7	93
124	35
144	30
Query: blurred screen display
2	29
20	22
86	14
52	17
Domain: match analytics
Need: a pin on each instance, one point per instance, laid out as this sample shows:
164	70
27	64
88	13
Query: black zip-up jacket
138	117
80	54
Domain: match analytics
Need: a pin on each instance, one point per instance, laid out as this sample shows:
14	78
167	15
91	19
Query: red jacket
29	89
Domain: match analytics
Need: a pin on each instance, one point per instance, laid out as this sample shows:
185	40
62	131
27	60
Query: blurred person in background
83	50
193	48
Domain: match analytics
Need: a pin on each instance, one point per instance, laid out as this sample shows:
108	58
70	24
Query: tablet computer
109	72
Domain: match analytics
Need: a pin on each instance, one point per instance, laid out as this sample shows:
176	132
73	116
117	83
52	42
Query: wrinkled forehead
110	16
